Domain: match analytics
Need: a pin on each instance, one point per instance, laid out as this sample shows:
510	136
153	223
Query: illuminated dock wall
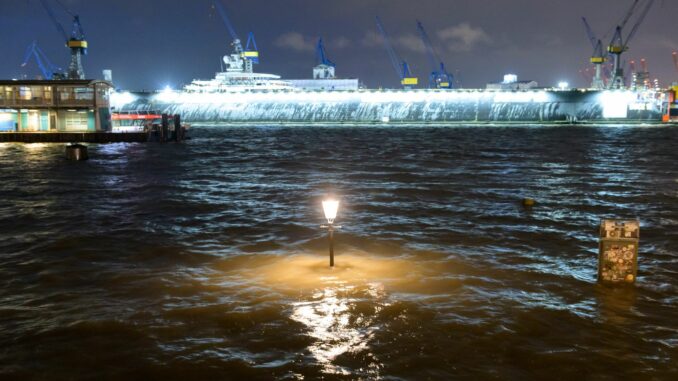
428	106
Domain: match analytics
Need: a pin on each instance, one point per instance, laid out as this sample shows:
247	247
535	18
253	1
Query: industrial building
55	106
324	75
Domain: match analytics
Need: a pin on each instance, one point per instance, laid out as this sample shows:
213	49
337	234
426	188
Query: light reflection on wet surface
204	260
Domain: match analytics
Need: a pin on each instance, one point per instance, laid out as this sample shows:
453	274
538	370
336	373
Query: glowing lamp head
562	85
330	207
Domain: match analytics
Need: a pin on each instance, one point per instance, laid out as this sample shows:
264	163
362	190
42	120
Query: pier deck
73	137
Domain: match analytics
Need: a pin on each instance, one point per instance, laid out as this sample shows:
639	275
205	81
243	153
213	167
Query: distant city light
167	94
562	85
510	78
119	99
616	103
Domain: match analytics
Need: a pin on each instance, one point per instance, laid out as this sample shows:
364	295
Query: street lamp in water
330	208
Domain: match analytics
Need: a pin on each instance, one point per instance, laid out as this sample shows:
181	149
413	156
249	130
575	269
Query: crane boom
596	43
640	20
401	67
589	32
55	21
395	60
224	16
439	77
428	46
47	68
321	54
629	14
251	52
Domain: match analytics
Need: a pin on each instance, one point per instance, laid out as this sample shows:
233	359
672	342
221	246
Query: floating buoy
528	202
76	152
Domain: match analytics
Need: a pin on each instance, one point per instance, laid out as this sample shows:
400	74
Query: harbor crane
439	77
598	58
401	67
620	44
250	53
77	42
325	68
47	68
321	55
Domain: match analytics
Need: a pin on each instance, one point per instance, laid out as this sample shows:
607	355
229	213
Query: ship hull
399	106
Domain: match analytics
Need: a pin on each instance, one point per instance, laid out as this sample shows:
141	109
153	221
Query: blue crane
250	53
325	68
321	55
598	57
47	68
439	77
76	42
620	44
237	44
401	67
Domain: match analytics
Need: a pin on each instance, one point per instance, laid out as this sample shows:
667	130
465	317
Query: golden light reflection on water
34	148
310	271
336	328
338	306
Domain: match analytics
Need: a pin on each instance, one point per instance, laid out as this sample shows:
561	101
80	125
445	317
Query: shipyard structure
239	95
66	102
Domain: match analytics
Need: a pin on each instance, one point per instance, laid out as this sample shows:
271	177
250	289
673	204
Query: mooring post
165	128
177	128
618	251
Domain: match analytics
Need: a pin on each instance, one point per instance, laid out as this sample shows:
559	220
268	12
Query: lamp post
330	208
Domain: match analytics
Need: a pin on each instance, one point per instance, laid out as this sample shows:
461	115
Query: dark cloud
295	41
149	43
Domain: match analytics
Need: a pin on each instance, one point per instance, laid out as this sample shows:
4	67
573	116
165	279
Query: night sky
153	43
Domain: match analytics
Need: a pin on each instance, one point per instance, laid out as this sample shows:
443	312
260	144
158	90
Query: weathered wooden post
165	128
76	152
618	251
177	128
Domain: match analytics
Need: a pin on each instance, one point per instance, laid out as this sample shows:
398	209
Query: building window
25	93
84	94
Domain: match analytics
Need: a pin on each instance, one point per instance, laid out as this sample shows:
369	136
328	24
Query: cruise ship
237	94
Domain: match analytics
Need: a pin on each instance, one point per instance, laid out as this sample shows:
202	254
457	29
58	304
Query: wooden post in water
177	128
618	251
165	128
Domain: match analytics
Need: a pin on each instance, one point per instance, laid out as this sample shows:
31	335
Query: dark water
204	260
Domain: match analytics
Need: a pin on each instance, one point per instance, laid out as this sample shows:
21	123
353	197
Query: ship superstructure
238	76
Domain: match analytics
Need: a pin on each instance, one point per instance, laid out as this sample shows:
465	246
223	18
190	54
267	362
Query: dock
73	137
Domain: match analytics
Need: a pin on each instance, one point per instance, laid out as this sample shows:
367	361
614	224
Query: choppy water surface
204	260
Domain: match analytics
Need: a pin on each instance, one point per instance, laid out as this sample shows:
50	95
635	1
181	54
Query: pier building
55	105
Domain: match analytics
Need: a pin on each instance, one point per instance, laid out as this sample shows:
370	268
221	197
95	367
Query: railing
34	102
75	102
